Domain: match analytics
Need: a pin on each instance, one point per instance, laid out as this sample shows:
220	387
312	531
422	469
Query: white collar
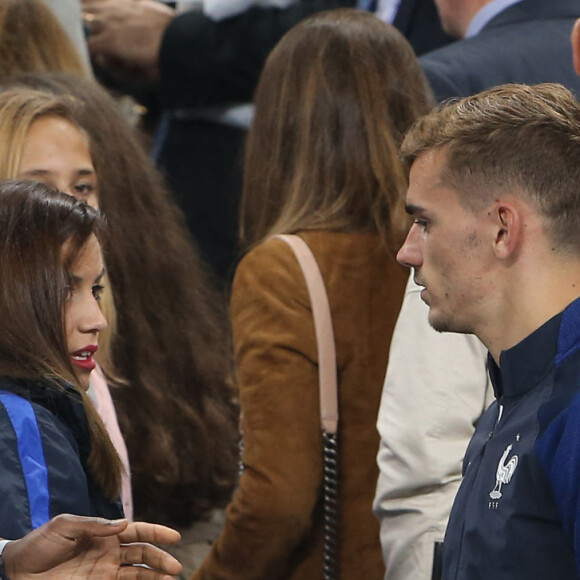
485	14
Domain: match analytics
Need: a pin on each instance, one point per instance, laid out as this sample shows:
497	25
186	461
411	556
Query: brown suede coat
274	528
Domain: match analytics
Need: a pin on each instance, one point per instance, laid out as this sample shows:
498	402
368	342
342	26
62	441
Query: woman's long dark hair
172	344
35	225
333	102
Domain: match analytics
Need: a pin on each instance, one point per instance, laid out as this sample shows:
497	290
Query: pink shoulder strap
324	332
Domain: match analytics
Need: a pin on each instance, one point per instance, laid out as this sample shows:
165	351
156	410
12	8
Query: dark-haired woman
55	455
333	103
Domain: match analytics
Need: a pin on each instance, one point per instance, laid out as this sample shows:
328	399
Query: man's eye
421	223
98	291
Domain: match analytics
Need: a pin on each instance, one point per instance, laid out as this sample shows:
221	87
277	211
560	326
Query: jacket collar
527	363
486	14
536	10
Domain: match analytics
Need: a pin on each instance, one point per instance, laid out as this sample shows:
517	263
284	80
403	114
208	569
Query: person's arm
436	388
76	547
40	461
126	35
204	62
275	349
558	450
198	61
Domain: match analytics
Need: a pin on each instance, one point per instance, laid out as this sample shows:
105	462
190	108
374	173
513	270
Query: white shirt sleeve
436	388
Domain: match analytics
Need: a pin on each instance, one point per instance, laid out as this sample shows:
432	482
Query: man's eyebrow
414	209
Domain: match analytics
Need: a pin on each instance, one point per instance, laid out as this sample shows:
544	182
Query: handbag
327	378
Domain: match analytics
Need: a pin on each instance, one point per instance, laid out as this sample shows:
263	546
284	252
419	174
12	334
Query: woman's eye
98	291
421	223
68	292
85	188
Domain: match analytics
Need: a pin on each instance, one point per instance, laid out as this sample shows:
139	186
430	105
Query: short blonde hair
517	138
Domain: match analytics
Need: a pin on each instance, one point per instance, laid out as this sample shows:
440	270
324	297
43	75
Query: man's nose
410	254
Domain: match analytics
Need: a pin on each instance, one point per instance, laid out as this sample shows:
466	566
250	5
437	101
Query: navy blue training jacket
44	448
517	512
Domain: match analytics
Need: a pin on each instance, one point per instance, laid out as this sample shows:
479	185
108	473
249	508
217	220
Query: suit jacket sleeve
275	352
422	445
204	62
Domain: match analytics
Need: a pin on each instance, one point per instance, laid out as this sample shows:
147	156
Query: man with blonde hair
495	198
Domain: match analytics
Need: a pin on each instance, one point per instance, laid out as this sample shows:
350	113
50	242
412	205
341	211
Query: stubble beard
448	324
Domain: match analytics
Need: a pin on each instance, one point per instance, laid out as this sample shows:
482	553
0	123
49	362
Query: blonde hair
517	138
20	107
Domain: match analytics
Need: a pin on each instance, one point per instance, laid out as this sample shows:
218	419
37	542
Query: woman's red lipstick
83	358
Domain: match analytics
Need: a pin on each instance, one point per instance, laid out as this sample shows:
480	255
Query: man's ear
508	229
576	46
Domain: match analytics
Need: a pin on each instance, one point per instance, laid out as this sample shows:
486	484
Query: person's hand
126	34
76	547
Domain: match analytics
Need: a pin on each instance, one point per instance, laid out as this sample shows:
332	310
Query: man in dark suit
503	41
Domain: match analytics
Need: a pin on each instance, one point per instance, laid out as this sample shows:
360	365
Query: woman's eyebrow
78	279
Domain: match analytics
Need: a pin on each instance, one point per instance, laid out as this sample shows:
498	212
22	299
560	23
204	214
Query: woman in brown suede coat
333	102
